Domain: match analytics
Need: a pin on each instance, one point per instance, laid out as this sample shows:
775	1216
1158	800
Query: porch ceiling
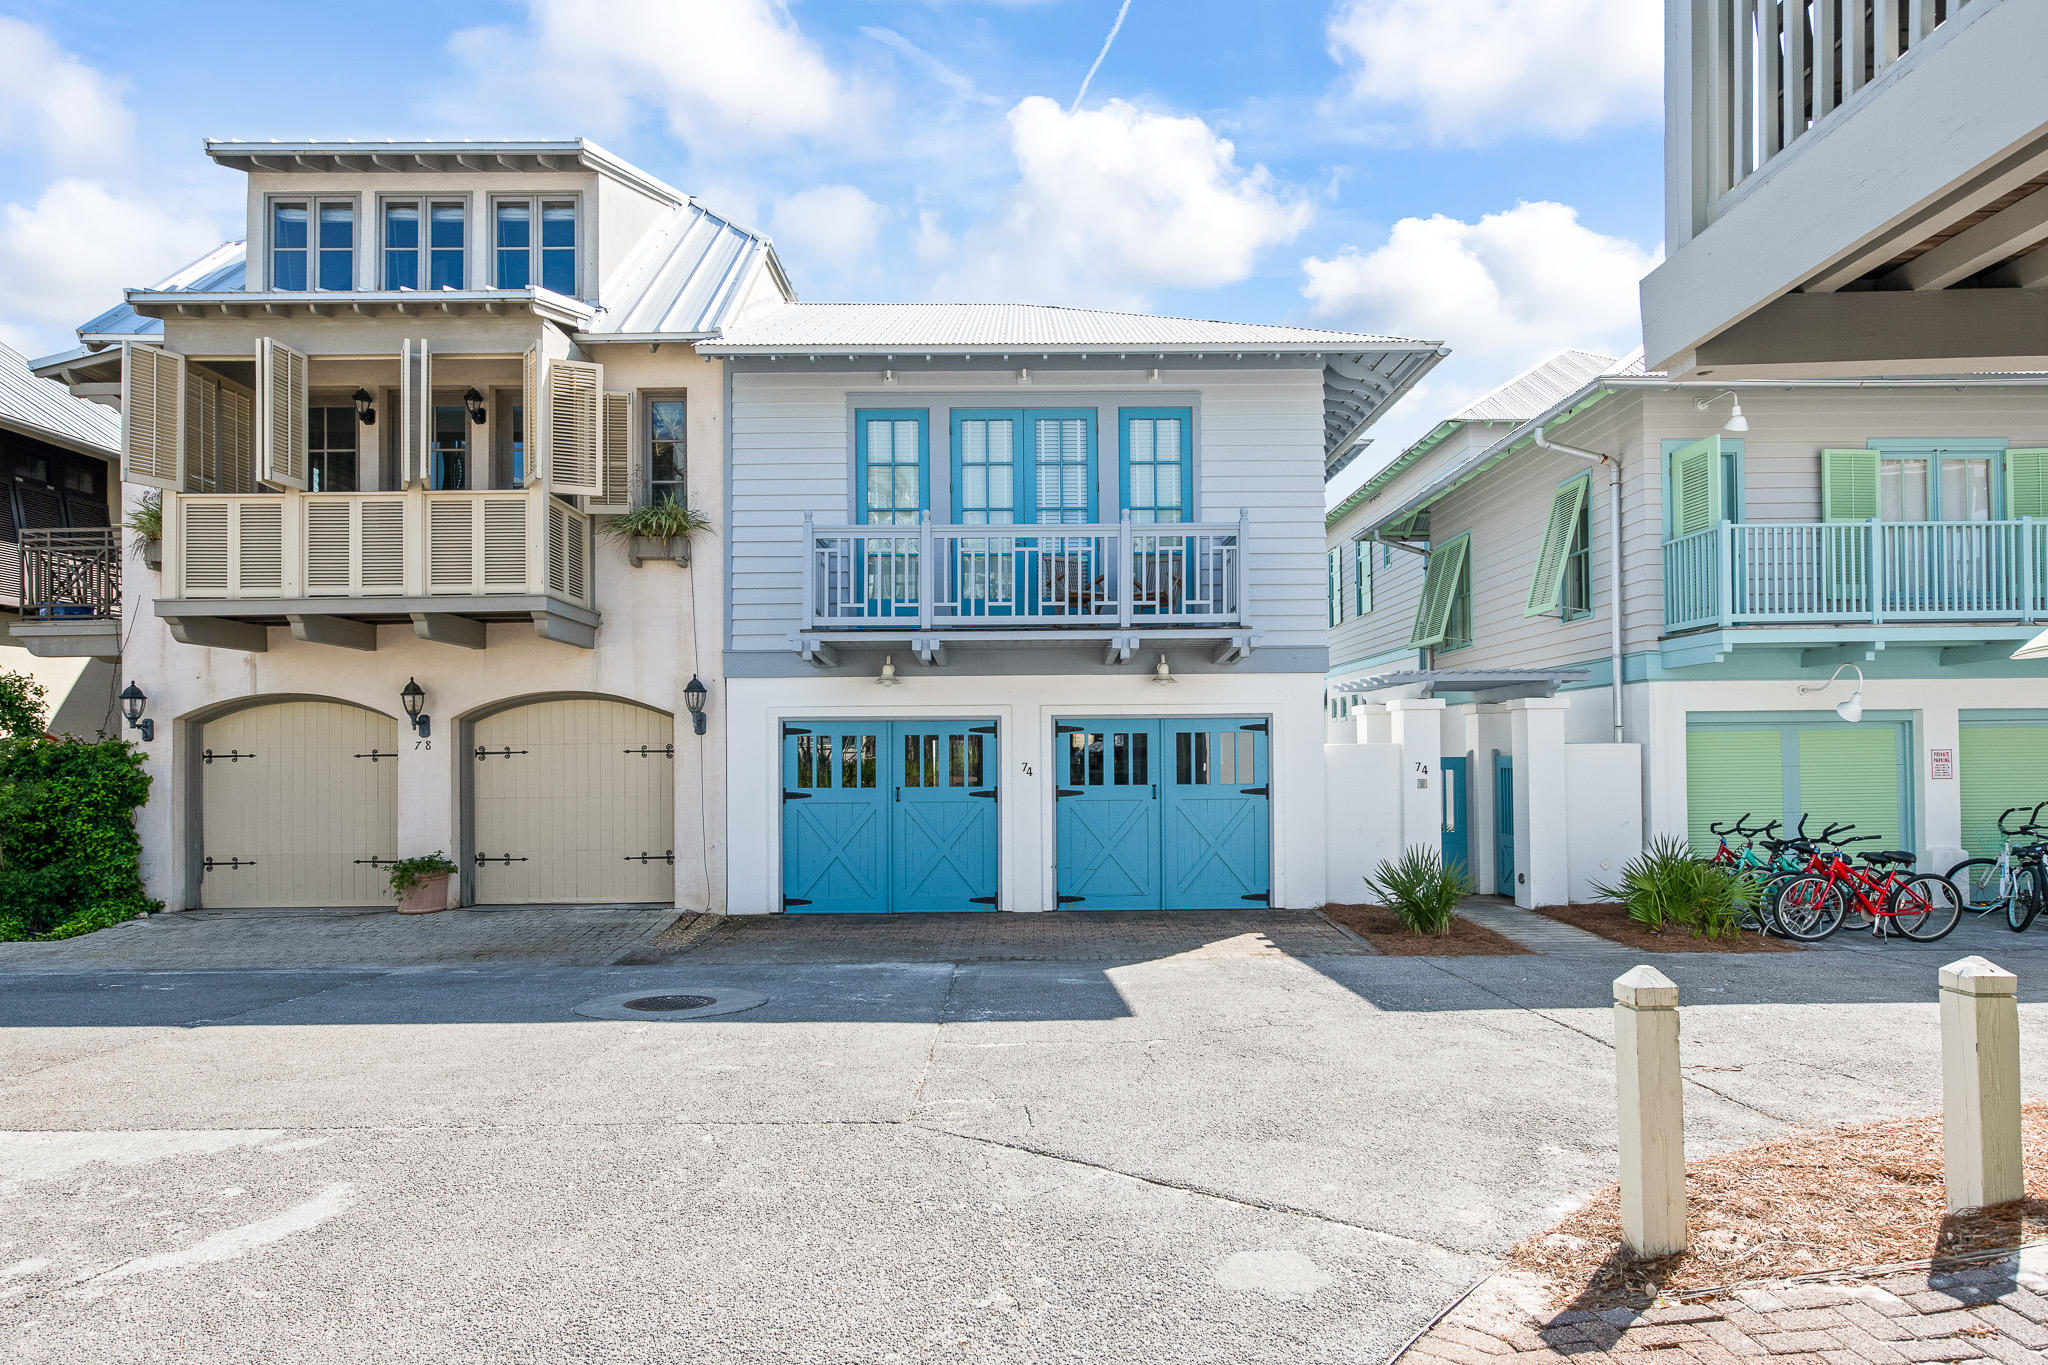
351	623
1479	684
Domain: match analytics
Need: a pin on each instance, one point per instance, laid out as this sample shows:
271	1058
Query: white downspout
1613	562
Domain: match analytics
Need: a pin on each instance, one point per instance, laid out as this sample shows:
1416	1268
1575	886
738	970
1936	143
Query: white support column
1417	725
1980	1084
1542	821
426	789
1652	1112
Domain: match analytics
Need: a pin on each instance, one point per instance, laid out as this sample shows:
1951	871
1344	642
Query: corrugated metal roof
43	407
1536	388
224	267
874	327
682	279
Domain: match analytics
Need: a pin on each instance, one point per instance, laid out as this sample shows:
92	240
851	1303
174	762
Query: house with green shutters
1702	572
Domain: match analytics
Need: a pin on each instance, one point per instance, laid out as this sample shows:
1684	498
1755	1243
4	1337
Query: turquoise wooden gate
1457	845
882	816
1503	825
1163	814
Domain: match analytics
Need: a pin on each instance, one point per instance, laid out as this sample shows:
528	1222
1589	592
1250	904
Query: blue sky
1486	172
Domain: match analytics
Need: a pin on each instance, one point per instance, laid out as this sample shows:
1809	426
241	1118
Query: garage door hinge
373	755
1265	896
1066	729
981	729
666	751
796	796
1258	725
794	730
644	858
482	753
232	756
788	901
1066	791
375	862
981	900
1252	791
505	858
232	864
993	796
1070	900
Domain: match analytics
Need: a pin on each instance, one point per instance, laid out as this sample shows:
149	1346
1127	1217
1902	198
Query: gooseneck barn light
132	702
415	698
693	697
1850	710
1736	421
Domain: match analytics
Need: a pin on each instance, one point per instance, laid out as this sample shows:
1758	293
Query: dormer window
439	239
528	253
312	244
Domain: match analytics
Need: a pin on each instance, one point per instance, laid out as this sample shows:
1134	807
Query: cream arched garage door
574	800
298	806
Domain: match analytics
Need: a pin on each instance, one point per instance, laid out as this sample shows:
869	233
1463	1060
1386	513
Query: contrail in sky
1082	93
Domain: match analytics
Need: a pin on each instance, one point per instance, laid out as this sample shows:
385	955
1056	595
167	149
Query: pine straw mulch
1611	922
1382	929
1825	1200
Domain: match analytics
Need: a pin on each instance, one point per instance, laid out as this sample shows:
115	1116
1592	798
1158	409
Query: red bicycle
1923	906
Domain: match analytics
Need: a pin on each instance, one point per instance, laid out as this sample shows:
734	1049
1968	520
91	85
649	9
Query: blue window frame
288	245
1047	455
892	463
1158	447
987	458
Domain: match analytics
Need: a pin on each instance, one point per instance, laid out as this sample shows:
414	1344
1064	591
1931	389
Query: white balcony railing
1774	70
994	577
518	542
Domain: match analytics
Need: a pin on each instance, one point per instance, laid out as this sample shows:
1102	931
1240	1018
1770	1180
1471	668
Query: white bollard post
1652	1112
1980	1084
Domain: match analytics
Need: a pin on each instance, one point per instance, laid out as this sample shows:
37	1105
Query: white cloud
834	226
1114	201
1527	280
1477	71
716	70
67	256
51	98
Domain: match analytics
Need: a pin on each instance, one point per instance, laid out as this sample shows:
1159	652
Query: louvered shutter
2001	767
1361	568
1440	584
1695	487
415	412
1567	505
1851	772
575	422
621	474
531	426
2026	483
202	433
1334	573
1848	485
280	415
1729	773
236	470
152	416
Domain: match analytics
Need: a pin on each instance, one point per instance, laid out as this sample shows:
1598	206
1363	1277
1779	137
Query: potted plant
661	529
421	884
147	522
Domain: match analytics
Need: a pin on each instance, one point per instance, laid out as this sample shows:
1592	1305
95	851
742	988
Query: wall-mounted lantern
1850	710
366	413
132	702
415	699
1162	674
693	697
474	402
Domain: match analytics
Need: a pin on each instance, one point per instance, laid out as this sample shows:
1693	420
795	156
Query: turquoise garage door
1162	814
888	816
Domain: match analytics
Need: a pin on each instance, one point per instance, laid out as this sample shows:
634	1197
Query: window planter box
153	554
642	548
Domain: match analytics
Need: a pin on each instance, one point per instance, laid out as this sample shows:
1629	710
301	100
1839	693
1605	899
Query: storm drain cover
666	1004
671	1003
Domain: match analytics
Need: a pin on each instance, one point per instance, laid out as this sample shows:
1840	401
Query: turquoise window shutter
1336	586
1440	585
2026	483
1361	568
1696	487
1566	505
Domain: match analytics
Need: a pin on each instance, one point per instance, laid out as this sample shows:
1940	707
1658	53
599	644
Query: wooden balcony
333	566
68	587
1120	583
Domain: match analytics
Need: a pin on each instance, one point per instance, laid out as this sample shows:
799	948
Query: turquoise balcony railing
1856	572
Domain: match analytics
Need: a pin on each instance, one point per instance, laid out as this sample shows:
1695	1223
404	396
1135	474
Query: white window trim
312	202
534	201
424	201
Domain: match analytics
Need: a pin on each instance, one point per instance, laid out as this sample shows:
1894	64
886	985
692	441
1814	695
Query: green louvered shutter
1566	505
1439	590
1729	773
2002	767
1695	487
1361	569
1336	586
1851	772
1848	485
2026	483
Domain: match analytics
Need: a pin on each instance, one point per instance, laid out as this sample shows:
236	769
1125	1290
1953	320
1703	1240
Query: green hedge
70	861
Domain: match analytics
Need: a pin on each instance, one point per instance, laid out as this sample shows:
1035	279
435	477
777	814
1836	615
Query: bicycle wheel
1978	880
1925	908
2029	896
1809	909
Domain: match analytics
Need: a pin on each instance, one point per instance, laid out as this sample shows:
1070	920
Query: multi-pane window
892	455
1957	488
288	246
424	240
1576	594
534	242
1156	465
666	468
331	448
312	244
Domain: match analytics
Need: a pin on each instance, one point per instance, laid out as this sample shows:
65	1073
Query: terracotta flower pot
427	895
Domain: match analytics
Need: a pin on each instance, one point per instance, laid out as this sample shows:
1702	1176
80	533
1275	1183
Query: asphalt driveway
1238	1149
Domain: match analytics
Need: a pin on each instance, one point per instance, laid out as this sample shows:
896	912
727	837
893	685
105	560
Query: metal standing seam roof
45	408
220	270
683	278
874	327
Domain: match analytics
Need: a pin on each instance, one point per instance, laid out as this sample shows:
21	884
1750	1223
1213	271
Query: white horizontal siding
1258	449
1396	589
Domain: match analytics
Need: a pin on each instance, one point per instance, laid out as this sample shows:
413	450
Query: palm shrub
147	520
1666	885
1420	888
